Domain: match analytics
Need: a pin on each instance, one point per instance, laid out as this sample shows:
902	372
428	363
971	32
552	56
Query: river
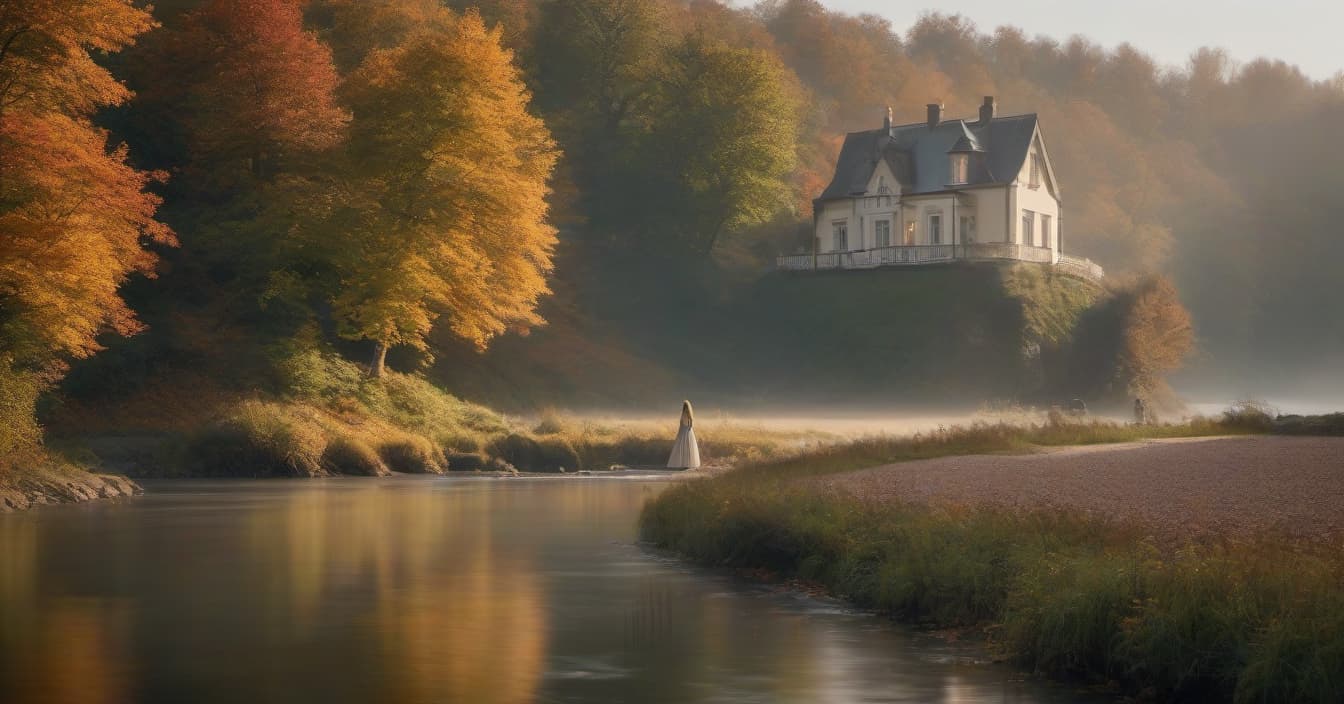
428	589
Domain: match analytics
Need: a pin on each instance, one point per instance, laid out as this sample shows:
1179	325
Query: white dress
685	452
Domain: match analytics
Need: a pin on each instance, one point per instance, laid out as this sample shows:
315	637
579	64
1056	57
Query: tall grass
353	456
1060	593
257	440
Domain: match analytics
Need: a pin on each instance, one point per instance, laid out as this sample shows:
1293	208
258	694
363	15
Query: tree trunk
378	364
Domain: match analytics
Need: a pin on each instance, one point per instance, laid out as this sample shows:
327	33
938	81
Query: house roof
967	142
917	154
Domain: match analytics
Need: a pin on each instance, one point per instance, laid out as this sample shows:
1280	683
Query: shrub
459	441
550	423
18	403
412	454
557	454
624	450
1248	415
308	373
466	461
1329	424
258	440
353	456
548	454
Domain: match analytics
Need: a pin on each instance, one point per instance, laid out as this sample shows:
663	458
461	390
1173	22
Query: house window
961	168
1028	228
909	239
1035	170
882	185
1045	231
840	236
935	229
968	228
883	233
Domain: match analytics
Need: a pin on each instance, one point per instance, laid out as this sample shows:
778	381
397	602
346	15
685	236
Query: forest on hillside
199	192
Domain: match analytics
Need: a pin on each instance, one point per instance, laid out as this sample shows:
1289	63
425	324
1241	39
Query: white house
938	191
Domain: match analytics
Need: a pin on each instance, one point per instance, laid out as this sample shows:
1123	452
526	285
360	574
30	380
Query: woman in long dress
685	452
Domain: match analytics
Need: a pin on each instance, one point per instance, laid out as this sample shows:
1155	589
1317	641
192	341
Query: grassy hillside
957	333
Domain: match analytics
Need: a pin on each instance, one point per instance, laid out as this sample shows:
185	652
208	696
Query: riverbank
1055	587
324	416
36	478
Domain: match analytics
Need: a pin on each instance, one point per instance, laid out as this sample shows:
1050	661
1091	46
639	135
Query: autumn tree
1129	342
239	98
354	28
722	129
253	87
1158	335
75	219
441	209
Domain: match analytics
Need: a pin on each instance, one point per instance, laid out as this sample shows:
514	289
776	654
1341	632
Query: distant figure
1140	412
685	452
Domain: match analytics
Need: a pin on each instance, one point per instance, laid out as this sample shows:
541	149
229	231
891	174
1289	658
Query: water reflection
423	590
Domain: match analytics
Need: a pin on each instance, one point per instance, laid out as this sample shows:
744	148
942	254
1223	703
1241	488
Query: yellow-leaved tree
441	208
1157	337
74	217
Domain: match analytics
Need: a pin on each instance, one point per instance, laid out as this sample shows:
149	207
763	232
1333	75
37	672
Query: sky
1301	32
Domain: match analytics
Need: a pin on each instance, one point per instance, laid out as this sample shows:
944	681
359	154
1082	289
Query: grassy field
1060	593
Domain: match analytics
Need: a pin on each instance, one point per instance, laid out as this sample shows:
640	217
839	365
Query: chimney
935	114
988	110
886	122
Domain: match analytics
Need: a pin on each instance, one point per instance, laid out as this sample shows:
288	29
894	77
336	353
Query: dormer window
961	169
1035	169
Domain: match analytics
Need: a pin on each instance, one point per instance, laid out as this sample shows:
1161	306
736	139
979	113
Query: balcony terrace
939	253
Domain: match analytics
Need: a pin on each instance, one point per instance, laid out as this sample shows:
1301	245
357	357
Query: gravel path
1202	486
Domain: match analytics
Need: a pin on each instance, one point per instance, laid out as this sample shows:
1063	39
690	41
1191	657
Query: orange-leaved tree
441	208
254	85
75	219
1157	337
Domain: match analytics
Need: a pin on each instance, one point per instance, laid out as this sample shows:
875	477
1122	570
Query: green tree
720	142
591	61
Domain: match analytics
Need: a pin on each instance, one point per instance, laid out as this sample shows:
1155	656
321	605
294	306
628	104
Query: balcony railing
1007	250
930	254
867	258
1080	267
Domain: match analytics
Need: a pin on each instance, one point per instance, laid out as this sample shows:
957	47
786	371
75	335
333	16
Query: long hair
687	413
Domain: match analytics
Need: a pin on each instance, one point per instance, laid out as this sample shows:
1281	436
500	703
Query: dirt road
1227	486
